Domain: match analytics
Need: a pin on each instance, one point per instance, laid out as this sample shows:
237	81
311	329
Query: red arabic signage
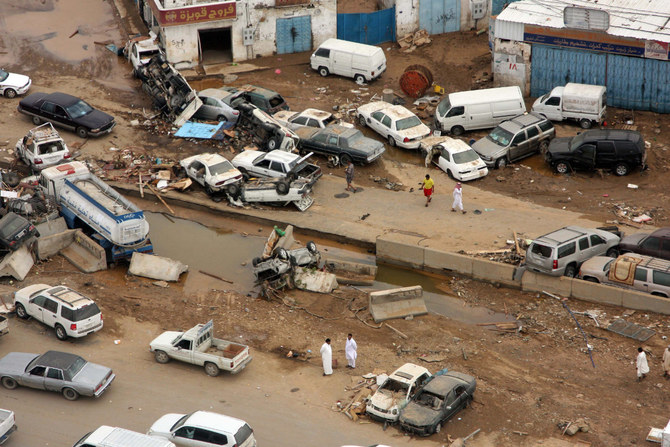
188	15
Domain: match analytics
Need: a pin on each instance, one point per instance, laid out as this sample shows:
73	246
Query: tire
437	428
449	174
613	253
221	118
10	93
161	357
81	132
211	369
281	253
345	159
361	121
256	261
457	130
585	124
21	311
272	144
60	332
359	79
562	167
291	176
209	190
544	146
37	120
311	247
392	142
9	383
323	71
621	169
70	394
570	271
282	187
501	163
233	190
591	279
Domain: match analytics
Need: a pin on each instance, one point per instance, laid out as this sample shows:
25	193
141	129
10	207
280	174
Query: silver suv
515	139
563	251
70	313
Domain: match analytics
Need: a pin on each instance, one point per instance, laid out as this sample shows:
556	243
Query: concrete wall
406	17
511	64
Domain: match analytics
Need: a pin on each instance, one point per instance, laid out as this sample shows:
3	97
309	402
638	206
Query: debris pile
360	392
636	214
514	255
409	42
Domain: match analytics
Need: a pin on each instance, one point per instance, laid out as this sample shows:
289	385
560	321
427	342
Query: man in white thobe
327	358
350	350
666	362
458	198
642	365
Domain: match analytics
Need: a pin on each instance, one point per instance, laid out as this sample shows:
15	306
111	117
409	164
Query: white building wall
467	22
406	17
511	64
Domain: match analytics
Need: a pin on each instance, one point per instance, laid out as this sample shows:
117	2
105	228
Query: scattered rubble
409	42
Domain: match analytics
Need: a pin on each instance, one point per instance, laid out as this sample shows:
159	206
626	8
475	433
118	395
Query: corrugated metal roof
639	19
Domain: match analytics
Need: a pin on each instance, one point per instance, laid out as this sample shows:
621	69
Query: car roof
215	421
662	232
408	372
57	359
315	113
340	130
267	93
62	99
444	383
519	122
612	134
648	261
215	93
564	234
72	297
283	156
11	216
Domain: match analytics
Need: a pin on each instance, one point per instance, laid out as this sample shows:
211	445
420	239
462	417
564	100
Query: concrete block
397	303
440	261
494	272
399	252
51	244
632	299
353	267
85	254
17	264
596	293
314	281
156	267
52	227
537	282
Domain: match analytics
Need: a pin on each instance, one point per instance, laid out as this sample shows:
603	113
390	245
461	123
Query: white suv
70	313
204	428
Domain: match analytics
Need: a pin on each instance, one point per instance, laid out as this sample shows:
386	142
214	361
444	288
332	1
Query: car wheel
161	357
37	120
233	190
245	174
323	71
585	124
221	118
501	163
82	133
359	79
21	311
544	145
60	332
209	190
10	93
621	169
570	271
9	383
392	142
562	167
311	247
591	279
291	176
272	144
437	428
256	261
451	176
211	369
613	253
282	187
361	121
457	130
70	394
345	160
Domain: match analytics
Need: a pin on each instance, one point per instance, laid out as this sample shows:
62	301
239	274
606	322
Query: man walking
349	173
666	362
458	198
350	351
327	358
428	187
642	365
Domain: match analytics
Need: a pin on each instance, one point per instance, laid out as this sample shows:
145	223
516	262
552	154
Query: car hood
163	425
560	145
632	241
385	401
487	148
95	119
474	164
367	145
594	266
165	338
414	132
16	362
245	158
419	415
91	374
16	80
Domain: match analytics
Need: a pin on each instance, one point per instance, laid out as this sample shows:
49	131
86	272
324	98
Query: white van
106	436
478	109
353	60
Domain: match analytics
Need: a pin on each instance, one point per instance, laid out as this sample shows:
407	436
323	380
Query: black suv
656	244
618	150
14	231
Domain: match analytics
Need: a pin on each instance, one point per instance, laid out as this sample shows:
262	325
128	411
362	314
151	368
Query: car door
29	150
36	307
50	312
47	111
207	108
532	142
518	146
552	109
333	144
641	280
314	123
34	378
196	170
319	143
444	161
584	248
650	246
193	436
375	121
301	120
605	155
584	157
53	381
182	350
62	117
277	169
598	245
262	168
455	401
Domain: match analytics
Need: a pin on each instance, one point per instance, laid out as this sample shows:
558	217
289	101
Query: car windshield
220	168
85	312
243	434
180	422
78	109
606	267
3	75
149	53
545	97
430	400
465	156
74	367
276	101
444	106
500	136
408	123
576	141
11	226
330	119
394	386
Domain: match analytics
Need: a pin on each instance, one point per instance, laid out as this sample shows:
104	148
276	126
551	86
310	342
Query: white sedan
395	123
308	117
213	172
454	157
12	84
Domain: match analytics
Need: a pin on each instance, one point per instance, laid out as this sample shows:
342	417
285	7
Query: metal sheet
370	28
440	16
294	35
203	131
554	66
631	330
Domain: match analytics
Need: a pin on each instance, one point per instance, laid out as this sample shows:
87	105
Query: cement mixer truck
87	202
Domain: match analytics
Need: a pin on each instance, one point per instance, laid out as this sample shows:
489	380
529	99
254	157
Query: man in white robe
350	351
327	358
458	198
642	365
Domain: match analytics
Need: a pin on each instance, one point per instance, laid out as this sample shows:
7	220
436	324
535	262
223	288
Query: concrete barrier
51	244
353	267
17	264
156	267
400	253
632	299
314	281
397	303
494	272
439	261
537	282
596	293
52	227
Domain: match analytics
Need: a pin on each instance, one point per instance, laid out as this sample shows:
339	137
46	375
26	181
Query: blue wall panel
440	16
497	6
553	66
370	28
294	35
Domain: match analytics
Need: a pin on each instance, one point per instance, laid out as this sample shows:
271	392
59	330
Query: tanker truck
87	202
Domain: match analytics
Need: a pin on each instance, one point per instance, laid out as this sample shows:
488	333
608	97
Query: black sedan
345	143
437	402
67	111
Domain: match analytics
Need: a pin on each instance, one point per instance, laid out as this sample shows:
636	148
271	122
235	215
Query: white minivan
106	436
478	109
353	60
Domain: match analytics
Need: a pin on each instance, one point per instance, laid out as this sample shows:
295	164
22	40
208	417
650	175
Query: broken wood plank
516	242
396	331
215	276
160	198
141	186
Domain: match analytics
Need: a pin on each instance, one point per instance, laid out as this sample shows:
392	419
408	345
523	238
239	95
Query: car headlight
395	411
96	130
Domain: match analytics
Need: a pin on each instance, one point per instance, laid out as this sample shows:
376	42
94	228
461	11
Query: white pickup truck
7	424
4	325
199	347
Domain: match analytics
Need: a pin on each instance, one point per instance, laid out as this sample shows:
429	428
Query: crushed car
454	157
276	271
139	51
267	132
15	231
276	163
340	144
213	172
274	191
308	117
398	125
265	99
395	392
42	147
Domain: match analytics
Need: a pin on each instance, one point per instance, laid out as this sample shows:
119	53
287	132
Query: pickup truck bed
7	424
4	325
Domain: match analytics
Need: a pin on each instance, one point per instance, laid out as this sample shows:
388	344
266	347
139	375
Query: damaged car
276	163
274	191
398	125
395	392
341	144
437	402
267	132
308	117
42	147
213	172
277	270
15	231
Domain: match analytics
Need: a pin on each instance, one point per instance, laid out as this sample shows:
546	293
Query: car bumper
381	417
374	157
411	145
241	366
4	437
85	332
474	175
102	131
421	431
24	89
550	272
105	386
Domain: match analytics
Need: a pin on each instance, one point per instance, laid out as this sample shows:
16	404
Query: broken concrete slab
353	267
314	281
17	264
156	267
397	303
51	227
82	251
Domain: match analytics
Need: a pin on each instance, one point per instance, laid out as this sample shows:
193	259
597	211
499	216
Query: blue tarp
203	131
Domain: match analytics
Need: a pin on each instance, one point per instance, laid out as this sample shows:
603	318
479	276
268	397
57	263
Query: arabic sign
206	327
584	40
291	2
188	15
656	50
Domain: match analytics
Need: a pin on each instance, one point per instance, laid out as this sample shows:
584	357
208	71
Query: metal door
294	35
370	28
440	16
554	66
627	84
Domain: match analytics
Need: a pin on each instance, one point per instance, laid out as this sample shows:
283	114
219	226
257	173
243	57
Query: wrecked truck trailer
170	92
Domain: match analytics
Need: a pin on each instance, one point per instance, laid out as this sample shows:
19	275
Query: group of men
428	187
350	351
642	365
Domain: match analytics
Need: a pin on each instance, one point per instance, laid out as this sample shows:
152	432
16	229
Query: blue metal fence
498	5
371	28
440	16
294	35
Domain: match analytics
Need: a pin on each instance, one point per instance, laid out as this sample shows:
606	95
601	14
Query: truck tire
61	334
323	71
585	124
233	190
70	394
282	187
9	383
211	369
21	311
359	79
273	143
457	130
161	357
311	247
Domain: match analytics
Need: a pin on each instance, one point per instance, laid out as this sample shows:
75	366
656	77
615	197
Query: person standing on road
349	173
642	365
428	187
666	362
458	198
351	351
327	358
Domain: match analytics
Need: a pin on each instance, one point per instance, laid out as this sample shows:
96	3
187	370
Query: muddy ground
528	382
